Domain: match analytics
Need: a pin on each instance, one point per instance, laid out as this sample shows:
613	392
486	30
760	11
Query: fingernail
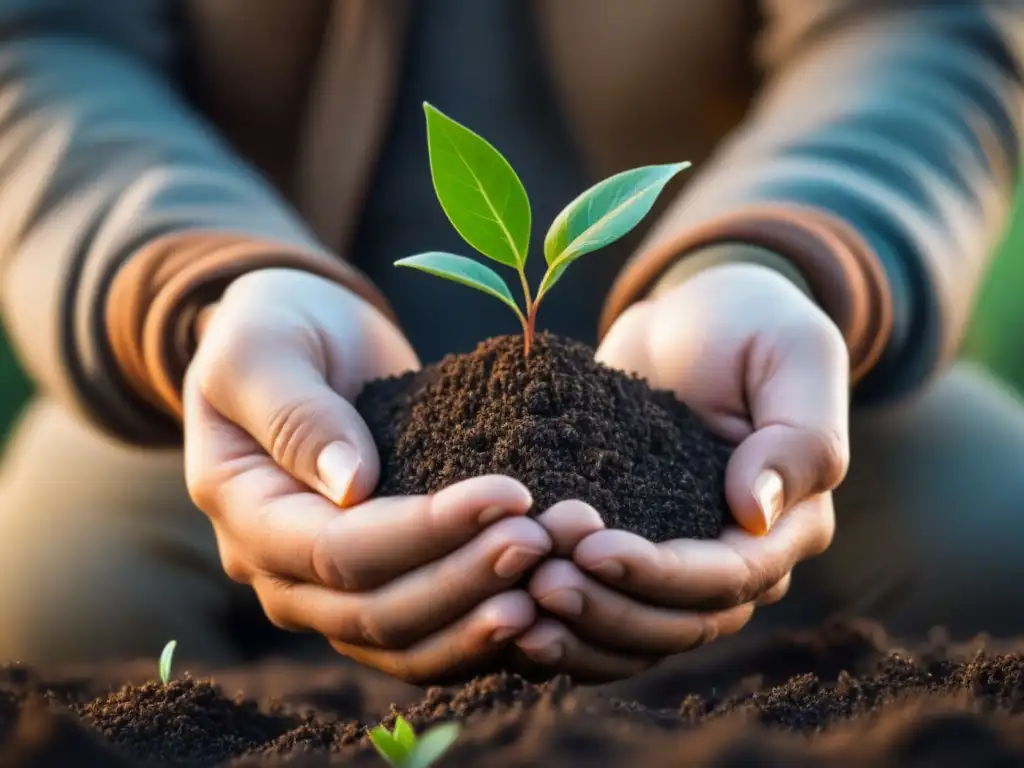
565	602
337	465
515	560
768	494
490	514
609	570
504	634
547	654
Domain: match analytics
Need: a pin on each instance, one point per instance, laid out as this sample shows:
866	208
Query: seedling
487	204
166	657
402	748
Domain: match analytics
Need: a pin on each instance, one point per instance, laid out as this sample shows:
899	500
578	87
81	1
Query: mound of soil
564	425
856	700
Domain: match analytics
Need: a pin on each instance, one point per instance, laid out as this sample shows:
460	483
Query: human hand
277	457
766	369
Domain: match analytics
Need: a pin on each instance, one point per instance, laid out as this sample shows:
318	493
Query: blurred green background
994	339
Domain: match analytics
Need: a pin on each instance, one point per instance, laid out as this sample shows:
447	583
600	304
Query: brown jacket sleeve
880	159
102	164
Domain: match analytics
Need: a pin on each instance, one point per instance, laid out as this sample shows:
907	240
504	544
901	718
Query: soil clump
561	423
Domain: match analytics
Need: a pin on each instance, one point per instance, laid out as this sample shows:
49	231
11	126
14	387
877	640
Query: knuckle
291	427
272	611
706	632
358	624
272	594
756	580
823	530
220	491
777	592
206	492
830	453
330	568
211	372
364	627
234	566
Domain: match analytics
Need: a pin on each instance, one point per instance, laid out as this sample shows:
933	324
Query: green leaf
432	745
480	193
459	269
603	214
389	747
404	734
166	657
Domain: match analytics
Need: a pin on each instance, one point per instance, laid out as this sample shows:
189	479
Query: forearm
121	209
880	160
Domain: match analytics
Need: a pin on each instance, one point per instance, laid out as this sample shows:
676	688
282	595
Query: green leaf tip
401	748
606	212
432	745
166	657
481	194
388	747
404	734
464	271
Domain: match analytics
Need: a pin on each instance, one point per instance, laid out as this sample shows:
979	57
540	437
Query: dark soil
565	426
844	695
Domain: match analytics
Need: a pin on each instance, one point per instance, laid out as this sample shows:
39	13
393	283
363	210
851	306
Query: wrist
845	276
163	297
721	254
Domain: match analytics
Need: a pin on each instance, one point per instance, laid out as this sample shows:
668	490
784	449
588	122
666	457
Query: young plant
402	748
166	657
487	204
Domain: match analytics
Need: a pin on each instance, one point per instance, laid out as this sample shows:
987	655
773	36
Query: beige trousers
102	554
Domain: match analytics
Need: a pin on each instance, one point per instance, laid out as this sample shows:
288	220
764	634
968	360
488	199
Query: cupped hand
765	368
420	587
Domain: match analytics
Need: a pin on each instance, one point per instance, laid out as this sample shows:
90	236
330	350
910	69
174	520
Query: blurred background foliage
995	339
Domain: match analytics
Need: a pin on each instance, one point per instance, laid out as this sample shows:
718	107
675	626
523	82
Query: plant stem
531	323
531	310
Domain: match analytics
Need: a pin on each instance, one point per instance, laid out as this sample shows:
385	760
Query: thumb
799	411
280	396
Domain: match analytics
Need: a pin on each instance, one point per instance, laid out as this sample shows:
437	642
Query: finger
568	523
598	614
550	644
799	411
268	522
264	519
683	574
456	651
776	593
417	604
275	388
801	534
703	574
376	541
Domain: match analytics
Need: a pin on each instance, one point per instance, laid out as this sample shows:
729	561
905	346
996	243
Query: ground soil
564	425
843	695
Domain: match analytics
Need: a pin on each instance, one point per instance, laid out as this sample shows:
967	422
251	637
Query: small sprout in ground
166	657
487	204
402	748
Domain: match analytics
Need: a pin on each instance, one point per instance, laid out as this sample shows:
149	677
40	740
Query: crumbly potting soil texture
843	695
561	423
